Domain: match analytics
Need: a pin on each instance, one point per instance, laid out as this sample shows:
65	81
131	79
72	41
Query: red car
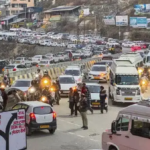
135	48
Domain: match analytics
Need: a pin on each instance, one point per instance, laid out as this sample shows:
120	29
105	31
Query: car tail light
32	116
14	69
54	115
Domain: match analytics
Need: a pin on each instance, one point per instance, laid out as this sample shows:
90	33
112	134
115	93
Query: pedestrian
87	94
103	96
76	100
71	102
83	106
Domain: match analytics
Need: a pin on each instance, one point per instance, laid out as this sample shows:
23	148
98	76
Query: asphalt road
69	135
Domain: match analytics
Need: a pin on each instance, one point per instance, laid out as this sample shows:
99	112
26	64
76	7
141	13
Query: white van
147	60
124	82
130	130
135	58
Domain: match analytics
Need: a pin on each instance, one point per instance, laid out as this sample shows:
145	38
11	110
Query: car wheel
52	131
28	130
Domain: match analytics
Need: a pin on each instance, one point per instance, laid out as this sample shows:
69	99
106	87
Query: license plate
41	65
95	103
96	77
66	92
128	98
44	126
17	62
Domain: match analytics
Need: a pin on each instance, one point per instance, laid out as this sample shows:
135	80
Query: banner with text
141	9
121	20
138	22
109	20
13	130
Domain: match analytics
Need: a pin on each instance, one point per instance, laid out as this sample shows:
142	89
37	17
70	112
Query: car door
121	137
139	135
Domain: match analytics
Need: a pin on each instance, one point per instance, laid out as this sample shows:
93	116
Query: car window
19	66
21	84
66	80
42	110
2	63
24	107
140	128
9	67
23	66
122	124
18	106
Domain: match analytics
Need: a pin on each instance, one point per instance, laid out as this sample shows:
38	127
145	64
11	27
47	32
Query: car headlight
32	90
138	92
118	91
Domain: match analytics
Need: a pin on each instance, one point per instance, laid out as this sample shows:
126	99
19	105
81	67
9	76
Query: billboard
138	22
121	20
109	20
141	9
148	23
12	129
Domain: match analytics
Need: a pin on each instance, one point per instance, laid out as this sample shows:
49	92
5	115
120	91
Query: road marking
70	132
94	140
80	136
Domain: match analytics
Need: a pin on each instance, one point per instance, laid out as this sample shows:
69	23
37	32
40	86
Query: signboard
86	11
141	9
121	20
148	23
12	130
138	22
55	18
109	20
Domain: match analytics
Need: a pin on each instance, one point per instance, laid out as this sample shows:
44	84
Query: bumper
127	99
41	126
104	78
64	92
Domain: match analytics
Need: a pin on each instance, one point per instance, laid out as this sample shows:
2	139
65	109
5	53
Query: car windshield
93	88
21	84
127	80
42	110
66	80
43	62
9	67
148	58
19	58
99	68
72	72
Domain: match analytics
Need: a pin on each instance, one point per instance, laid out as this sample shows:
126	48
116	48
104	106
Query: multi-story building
17	6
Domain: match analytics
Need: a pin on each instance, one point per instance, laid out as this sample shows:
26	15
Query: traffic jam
122	76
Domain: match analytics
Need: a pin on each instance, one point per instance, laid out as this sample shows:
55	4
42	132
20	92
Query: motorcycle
33	94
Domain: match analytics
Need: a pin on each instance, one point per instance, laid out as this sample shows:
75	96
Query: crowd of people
80	102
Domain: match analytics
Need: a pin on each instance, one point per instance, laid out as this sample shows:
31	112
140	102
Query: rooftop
62	8
18	20
8	17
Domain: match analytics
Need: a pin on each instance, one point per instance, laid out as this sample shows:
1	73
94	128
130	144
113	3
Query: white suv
39	116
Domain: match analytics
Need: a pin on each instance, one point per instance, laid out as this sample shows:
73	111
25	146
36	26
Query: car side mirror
113	127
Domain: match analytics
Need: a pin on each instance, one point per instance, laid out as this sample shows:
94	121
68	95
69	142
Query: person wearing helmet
6	80
38	75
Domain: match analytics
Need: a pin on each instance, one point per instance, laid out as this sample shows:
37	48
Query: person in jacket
83	106
76	100
71	102
87	94
103	96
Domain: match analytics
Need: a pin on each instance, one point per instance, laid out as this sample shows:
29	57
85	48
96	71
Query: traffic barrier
54	70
